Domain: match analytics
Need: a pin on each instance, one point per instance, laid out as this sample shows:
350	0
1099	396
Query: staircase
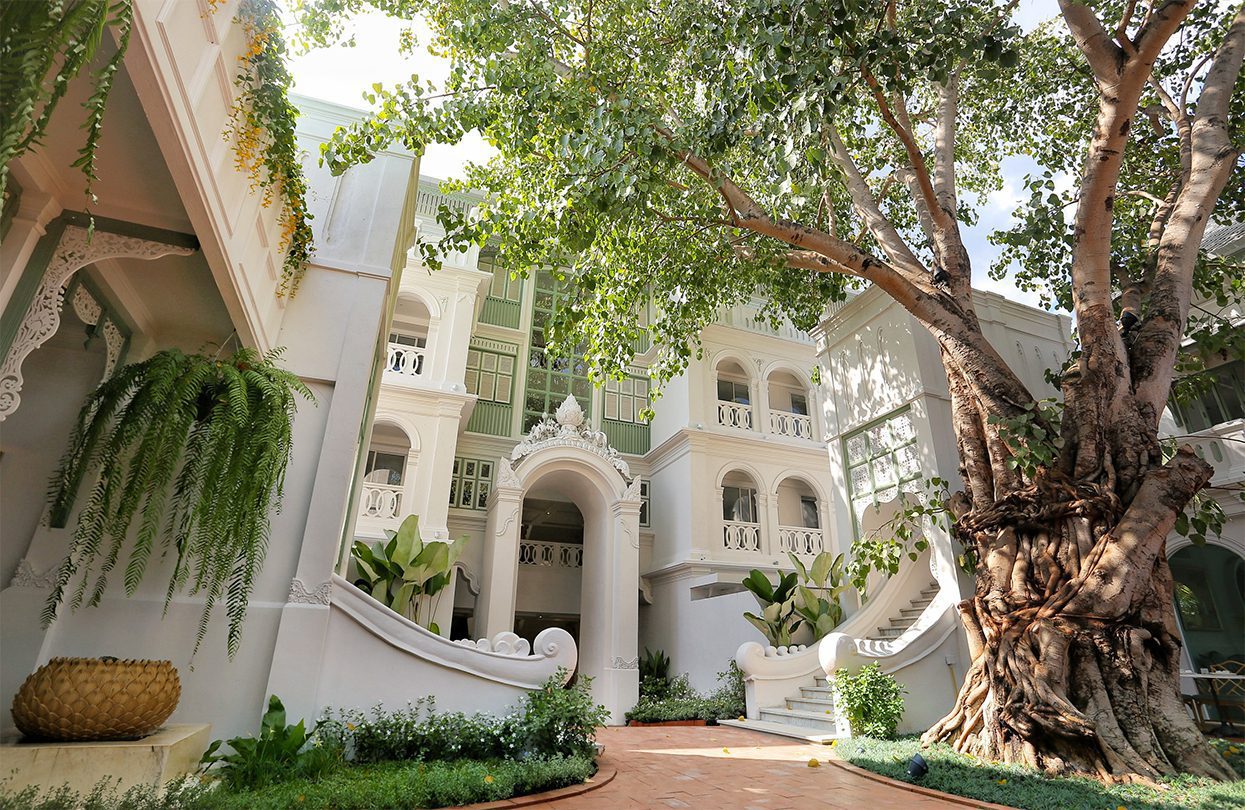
907	616
807	716
810	715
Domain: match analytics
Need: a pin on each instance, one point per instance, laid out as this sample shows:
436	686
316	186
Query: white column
609	640
495	607
760	406
768	504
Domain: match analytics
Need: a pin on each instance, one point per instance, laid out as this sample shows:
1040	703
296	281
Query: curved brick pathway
718	768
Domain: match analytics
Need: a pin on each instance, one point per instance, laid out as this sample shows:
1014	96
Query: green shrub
654	674
872	700
281	751
350	787
554	721
681	702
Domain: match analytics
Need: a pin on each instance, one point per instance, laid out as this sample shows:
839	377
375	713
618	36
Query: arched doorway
551	561
564	467
1209	583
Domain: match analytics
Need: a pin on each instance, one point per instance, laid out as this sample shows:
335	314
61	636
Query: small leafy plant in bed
415	757
674	700
1025	788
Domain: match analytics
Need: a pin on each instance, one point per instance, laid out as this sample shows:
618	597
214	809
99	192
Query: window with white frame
737	392
739	504
470	482
625	398
882	461
384	468
644	503
490	375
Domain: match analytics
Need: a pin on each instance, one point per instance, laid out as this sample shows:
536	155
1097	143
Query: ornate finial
569	414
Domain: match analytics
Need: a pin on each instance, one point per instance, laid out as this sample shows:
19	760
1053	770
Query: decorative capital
300	594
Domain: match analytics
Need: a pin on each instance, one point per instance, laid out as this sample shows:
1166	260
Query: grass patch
1028	789
399	785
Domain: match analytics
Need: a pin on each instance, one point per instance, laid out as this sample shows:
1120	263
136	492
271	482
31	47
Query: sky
341	74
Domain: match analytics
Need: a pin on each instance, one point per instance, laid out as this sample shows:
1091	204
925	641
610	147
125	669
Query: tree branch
1104	56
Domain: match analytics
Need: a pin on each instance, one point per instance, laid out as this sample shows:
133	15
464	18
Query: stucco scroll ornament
505	527
633	489
300	594
76	249
618	662
506	476
569	428
504	643
26	577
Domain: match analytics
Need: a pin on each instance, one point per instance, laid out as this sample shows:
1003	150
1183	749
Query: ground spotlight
917	767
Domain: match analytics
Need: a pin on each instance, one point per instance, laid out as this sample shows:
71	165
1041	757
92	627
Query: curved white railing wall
372	655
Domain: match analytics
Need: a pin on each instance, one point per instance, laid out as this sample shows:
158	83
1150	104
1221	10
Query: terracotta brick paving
717	768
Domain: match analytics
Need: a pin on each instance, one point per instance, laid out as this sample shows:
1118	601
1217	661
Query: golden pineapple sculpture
80	699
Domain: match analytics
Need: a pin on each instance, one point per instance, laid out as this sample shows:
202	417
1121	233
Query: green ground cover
1027	789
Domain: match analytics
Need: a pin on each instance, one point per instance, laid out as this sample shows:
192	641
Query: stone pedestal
170	753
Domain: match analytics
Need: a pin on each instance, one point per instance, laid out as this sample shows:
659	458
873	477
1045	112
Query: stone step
920	603
784	730
820	682
818	721
931	591
888	633
912	611
903	621
818	692
814	705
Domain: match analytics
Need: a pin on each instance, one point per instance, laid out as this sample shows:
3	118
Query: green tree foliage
190	450
43	47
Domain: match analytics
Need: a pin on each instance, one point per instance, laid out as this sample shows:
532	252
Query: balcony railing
802	542
501	312
734	415
794	425
740	536
627	437
381	501
553	555
405	360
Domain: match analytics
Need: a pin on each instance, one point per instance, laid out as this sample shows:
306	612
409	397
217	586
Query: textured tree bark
1075	652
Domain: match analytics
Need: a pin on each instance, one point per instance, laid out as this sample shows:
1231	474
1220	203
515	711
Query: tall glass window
503	286
490	375
470	482
882	461
549	380
739	504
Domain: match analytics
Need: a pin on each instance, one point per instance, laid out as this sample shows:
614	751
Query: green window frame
882	461
471	479
550	379
645	514
1220	399
625	398
502	287
490	375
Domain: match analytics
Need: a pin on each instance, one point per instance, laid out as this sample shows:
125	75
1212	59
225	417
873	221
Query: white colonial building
592	534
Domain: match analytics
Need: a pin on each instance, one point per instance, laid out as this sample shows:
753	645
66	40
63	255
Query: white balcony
740	536
801	541
407	361
551	555
381	502
795	425
734	415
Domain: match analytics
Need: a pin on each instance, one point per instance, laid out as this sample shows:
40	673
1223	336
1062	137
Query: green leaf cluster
778	619
821	585
405	572
43	47
280	752
872	700
191	451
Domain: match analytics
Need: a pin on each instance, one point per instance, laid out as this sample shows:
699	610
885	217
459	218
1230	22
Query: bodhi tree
690	153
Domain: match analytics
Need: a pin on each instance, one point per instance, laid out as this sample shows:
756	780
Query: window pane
611	406
799	404
473	381
504	385
808	510
488	384
726	391
488	361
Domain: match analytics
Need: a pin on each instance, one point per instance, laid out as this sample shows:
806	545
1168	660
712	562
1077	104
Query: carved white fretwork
76	249
568	428
85	306
114	341
506	476
27	577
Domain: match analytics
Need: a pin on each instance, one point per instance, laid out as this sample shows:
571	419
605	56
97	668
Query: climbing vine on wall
43	46
261	125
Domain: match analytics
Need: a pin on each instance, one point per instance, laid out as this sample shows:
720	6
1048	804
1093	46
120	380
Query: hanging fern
43	45
198	447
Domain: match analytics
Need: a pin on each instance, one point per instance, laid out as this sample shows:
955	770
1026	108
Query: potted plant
197	446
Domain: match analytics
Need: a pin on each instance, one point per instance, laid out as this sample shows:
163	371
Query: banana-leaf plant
821	584
778	619
404	573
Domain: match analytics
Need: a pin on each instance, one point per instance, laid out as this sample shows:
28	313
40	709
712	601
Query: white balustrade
795	425
558	555
732	414
406	360
381	501
802	542
740	536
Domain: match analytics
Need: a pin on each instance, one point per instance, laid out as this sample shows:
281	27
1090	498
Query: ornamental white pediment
568	428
